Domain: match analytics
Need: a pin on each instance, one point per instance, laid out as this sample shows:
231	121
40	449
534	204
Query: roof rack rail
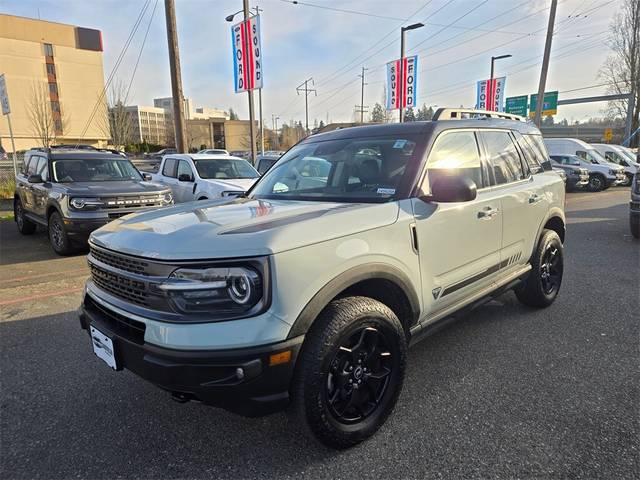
470	113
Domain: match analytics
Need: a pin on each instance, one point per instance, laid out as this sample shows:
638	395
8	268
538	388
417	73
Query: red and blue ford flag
247	54
402	83
490	94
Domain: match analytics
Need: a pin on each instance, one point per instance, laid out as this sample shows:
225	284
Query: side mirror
546	165
35	178
146	177
185	177
453	188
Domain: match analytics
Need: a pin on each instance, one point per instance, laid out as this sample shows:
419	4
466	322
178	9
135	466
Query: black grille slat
126	288
121	262
132	330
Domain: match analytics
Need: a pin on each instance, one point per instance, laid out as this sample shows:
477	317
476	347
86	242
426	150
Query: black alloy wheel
596	183
359	375
25	226
551	270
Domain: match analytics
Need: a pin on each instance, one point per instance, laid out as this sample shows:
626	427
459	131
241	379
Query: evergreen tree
233	115
409	115
377	114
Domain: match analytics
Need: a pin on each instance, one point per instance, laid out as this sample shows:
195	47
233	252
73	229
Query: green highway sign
549	103
517	105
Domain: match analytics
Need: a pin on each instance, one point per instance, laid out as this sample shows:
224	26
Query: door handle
535	198
487	213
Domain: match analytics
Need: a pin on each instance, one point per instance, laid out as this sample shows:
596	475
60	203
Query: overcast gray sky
301	41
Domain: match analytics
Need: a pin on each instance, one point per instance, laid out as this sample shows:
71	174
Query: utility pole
306	91
274	124
252	114
361	108
176	78
545	63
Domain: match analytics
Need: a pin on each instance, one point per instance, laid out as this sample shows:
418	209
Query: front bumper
577	181
83	227
212	376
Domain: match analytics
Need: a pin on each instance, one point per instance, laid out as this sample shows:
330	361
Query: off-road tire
634	224
597	183
58	237
535	292
343	319
25	226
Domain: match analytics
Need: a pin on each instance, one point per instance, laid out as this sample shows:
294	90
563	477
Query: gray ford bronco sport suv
306	292
72	192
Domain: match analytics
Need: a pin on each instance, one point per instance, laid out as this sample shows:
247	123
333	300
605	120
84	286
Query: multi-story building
55	79
151	124
167	104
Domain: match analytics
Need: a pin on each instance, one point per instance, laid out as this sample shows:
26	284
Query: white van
573	146
620	156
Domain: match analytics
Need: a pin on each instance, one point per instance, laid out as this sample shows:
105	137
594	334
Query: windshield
347	170
94	170
225	169
592	156
628	154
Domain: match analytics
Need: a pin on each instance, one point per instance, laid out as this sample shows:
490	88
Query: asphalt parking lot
505	392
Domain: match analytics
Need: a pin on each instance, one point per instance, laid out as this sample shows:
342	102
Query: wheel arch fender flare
553	213
350	278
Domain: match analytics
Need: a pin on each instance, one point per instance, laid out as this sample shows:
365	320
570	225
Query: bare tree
46	125
622	68
114	119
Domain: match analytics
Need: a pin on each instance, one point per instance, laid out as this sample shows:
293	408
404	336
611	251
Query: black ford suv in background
72	192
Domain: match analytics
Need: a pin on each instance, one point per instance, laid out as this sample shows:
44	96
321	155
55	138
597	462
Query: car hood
112	188
234	184
238	227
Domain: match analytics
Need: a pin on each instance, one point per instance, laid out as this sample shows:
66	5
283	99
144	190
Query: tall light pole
252	128
545	63
400	79
274	122
493	59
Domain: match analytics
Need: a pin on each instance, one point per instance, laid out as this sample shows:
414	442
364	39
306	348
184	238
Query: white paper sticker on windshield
399	144
386	191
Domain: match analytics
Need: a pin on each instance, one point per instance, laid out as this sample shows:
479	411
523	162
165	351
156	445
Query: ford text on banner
247	55
490	94
402	83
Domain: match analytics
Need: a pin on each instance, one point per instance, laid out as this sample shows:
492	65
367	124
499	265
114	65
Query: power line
144	41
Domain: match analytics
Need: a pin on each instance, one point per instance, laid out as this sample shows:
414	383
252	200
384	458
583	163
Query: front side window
223	169
504	157
42	169
170	167
591	156
93	170
615	157
455	154
32	169
184	169
361	169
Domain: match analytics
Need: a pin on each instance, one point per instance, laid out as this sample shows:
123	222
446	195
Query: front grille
128	264
115	202
128	289
122	326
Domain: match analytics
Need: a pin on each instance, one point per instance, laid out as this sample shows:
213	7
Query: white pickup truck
203	176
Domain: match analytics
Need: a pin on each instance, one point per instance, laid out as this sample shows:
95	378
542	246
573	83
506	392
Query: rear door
522	198
40	190
459	243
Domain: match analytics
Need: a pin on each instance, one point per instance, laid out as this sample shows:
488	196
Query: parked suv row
71	192
306	292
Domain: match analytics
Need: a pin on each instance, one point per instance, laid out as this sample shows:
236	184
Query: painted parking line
68	291
41	275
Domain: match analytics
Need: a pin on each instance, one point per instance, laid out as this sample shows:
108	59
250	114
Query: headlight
80	203
218	290
167	198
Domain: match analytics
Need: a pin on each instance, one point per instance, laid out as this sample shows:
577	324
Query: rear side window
169	168
455	153
532	156
503	157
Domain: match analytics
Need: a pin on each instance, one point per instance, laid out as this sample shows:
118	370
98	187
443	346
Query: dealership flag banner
490	94
401	83
247	55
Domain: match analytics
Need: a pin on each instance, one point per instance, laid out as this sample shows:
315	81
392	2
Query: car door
40	190
28	198
522	197
458	243
184	189
22	185
169	175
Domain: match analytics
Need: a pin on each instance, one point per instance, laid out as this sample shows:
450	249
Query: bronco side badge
436	292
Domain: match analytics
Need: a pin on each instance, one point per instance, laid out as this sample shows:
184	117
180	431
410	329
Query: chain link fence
7	176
